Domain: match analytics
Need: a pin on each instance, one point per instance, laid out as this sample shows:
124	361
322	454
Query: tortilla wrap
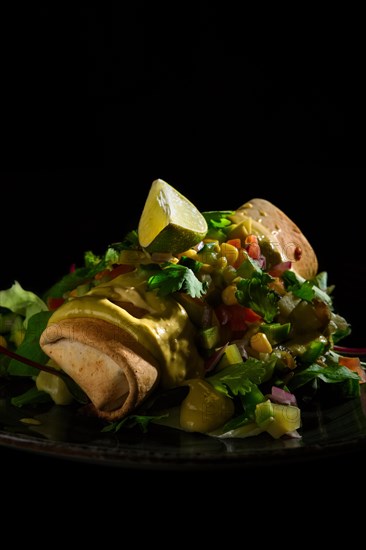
115	371
118	341
284	234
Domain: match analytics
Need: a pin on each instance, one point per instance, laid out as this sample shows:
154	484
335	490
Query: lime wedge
169	221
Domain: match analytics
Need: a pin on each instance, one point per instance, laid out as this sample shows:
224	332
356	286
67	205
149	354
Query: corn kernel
191	253
221	262
230	252
206	268
216	246
228	295
260	343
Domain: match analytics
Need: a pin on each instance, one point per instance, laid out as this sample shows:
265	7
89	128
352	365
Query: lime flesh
169	221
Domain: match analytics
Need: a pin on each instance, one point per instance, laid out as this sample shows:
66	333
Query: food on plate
215	322
119	341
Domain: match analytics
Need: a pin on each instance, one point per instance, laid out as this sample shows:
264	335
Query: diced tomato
101	274
252	247
235	242
251	316
251	239
54	303
109	274
354	364
237	321
236	316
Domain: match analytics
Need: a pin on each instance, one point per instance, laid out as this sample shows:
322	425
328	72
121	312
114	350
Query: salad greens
265	335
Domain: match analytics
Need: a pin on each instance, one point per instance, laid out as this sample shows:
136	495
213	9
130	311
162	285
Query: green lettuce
20	301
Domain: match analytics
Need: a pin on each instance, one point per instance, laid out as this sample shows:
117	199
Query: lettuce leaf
30	347
20	301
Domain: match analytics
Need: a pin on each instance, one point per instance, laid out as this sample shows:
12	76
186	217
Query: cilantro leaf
304	290
130	242
321	281
69	282
131	421
111	256
255	294
217	223
93	264
191	263
218	219
91	260
329	374
249	402
175	277
238	379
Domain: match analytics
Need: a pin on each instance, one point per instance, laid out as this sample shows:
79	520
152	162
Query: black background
222	103
225	105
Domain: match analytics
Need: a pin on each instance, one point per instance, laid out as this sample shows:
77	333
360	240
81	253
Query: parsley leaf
255	294
175	277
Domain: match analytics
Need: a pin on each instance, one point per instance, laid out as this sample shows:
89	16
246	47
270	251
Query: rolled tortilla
119	341
283	233
115	371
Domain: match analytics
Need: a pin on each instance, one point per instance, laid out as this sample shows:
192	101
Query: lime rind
171	239
169	221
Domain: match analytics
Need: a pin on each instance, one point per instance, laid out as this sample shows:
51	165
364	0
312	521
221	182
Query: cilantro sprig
255	294
303	290
238	379
174	278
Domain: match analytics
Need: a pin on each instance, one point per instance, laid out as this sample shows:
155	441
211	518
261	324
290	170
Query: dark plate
63	433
